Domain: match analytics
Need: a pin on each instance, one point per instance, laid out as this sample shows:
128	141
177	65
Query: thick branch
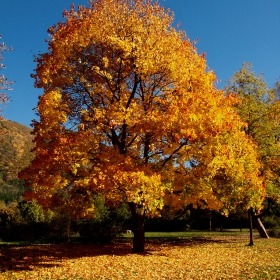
115	139
147	148
136	82
174	152
123	138
132	140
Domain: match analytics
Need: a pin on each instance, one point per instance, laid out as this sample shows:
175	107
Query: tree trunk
67	227
221	227
259	225
251	227
138	216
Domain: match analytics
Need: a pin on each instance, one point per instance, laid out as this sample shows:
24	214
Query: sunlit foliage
260	109
130	110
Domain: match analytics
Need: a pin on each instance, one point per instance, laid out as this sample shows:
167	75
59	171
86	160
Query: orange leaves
211	258
128	104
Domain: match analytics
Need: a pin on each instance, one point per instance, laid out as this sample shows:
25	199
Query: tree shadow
154	244
24	258
157	243
19	258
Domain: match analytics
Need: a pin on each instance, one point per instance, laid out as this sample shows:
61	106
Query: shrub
24	221
274	232
107	223
271	222
29	221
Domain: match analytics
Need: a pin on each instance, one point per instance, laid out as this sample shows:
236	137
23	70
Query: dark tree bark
259	225
138	216
251	227
68	228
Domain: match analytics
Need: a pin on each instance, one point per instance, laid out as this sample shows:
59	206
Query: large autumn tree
131	111
260	109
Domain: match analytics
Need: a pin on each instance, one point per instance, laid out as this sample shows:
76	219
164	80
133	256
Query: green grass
193	234
190	234
15	243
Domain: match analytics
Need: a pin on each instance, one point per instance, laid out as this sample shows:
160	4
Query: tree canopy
130	110
260	109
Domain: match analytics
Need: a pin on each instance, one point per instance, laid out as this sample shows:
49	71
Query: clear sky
230	32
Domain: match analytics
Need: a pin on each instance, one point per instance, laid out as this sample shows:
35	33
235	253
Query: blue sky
230	32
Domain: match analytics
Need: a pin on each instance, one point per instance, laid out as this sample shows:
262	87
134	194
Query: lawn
187	255
195	234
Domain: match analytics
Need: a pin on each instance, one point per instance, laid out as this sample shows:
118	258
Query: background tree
130	111
276	89
4	82
260	109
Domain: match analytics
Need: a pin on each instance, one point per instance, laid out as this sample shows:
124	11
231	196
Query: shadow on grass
18	258
192	241
30	257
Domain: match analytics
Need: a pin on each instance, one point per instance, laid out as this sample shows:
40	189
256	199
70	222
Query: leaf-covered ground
196	258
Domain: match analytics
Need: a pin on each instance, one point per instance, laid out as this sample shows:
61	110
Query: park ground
189	255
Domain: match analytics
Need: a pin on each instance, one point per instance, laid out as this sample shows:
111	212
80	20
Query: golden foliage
260	109
127	105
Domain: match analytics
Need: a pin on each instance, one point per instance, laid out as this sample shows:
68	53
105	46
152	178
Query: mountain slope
15	149
15	154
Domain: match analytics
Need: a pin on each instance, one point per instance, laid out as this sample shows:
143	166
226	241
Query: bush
271	222
107	223
274	232
9	218
29	221
24	221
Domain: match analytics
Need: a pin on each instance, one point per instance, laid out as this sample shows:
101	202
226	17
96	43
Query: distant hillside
15	146
15	154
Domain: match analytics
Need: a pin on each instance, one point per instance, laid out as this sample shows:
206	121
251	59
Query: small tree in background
260	109
4	82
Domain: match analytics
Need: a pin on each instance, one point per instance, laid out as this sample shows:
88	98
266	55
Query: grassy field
185	255
195	234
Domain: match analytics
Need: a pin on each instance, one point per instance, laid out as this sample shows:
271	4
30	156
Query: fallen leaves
183	259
